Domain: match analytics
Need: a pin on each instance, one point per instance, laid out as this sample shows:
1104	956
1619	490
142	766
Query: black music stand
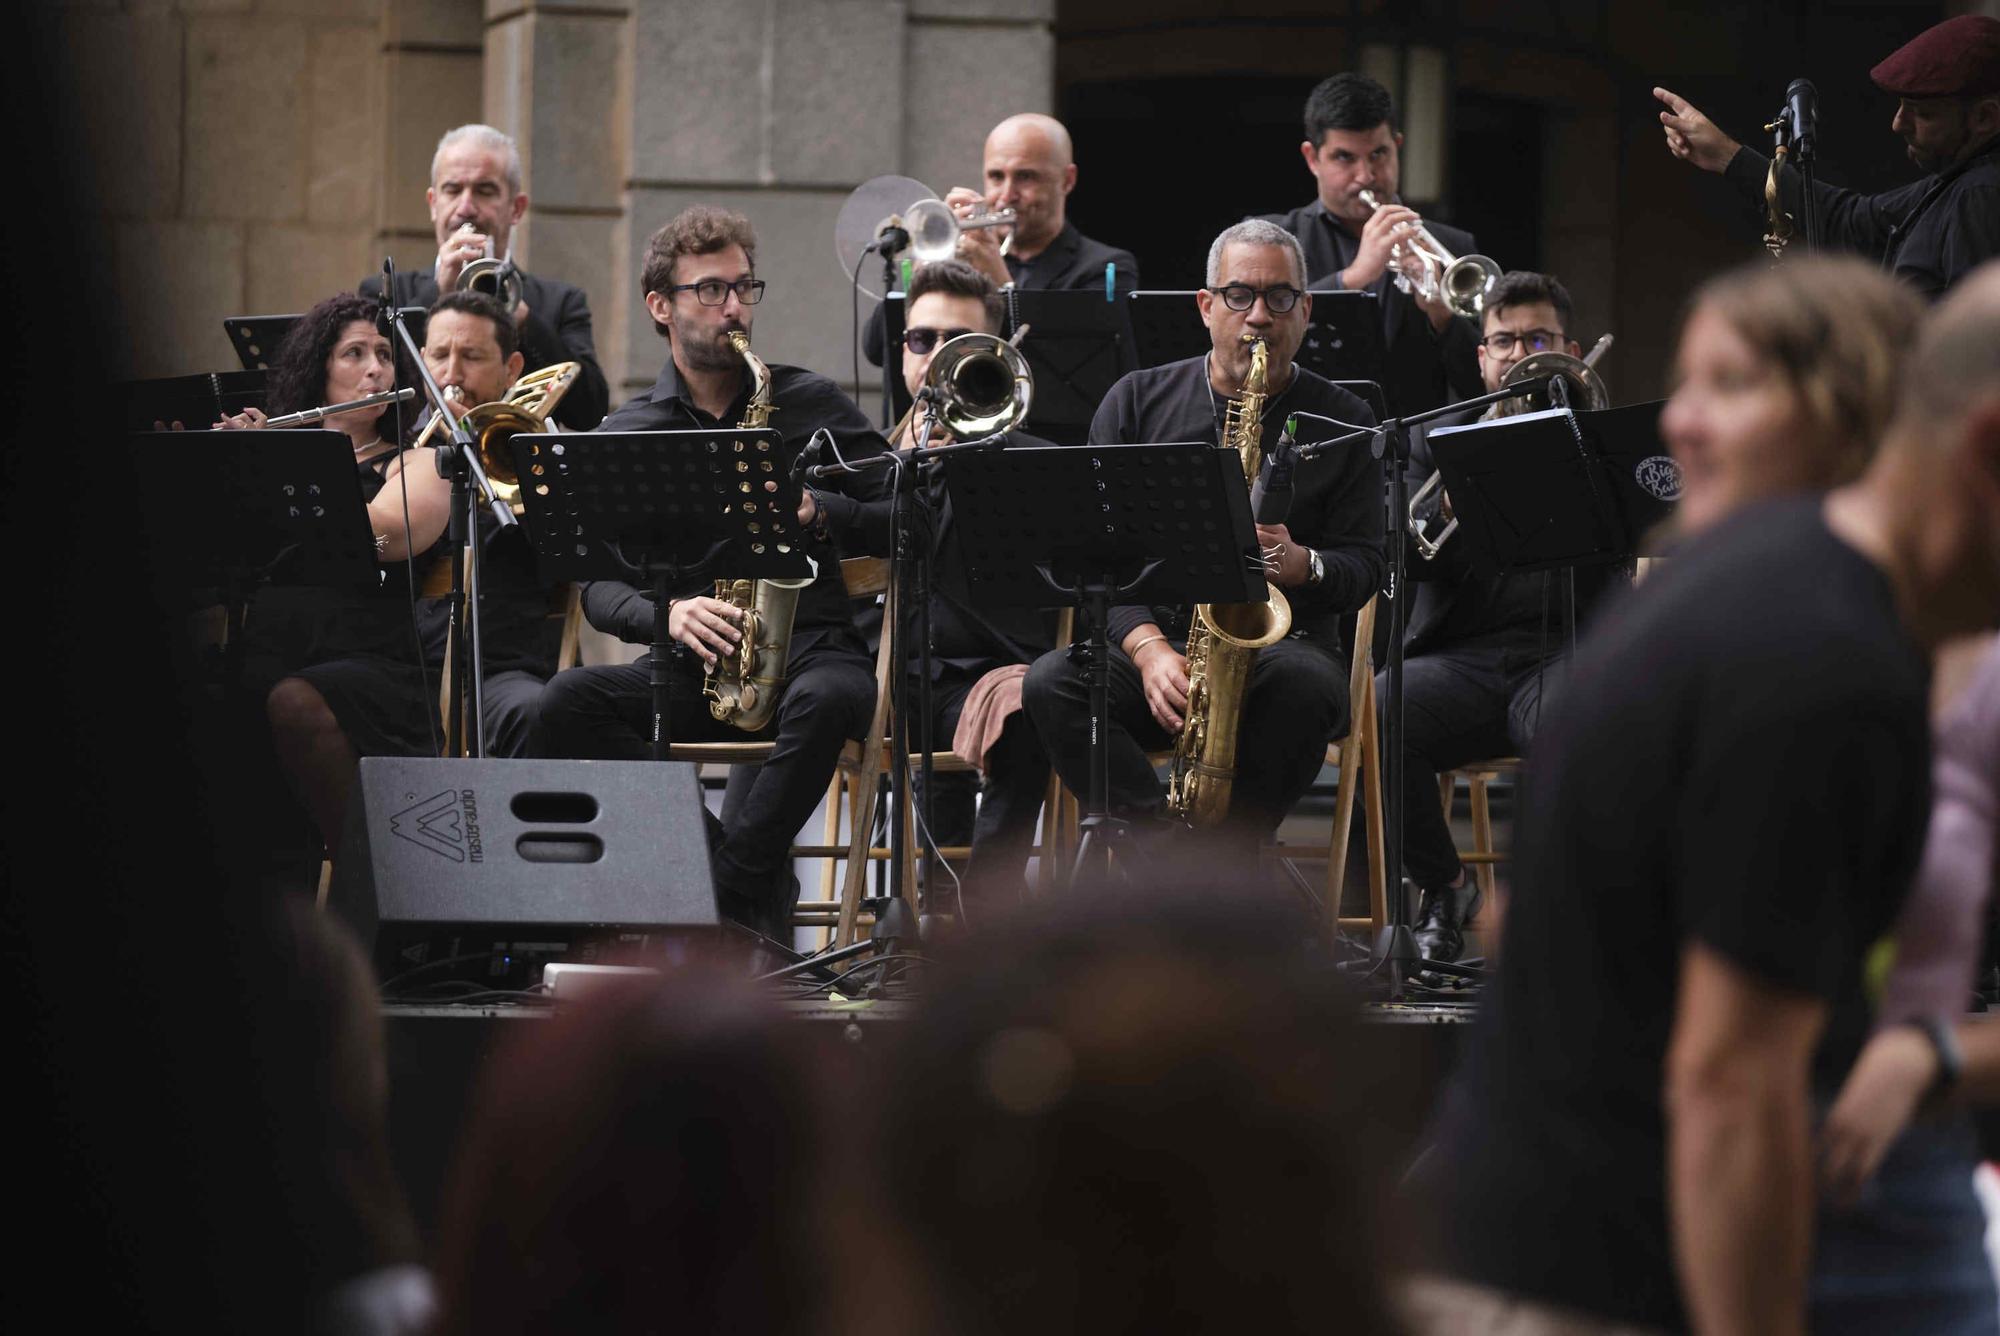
1343	339
196	402
229	510
1557	488
256	337
1094	526
1077	347
665	509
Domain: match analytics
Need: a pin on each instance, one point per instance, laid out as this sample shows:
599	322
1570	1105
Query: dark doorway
1495	182
1165	164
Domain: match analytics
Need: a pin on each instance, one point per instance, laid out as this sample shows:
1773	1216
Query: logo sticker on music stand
1660	476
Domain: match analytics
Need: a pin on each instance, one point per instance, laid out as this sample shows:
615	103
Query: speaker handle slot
541	808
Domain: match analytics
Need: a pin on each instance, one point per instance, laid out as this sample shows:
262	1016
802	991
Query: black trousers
1459	705
606	712
1010	797
1296	703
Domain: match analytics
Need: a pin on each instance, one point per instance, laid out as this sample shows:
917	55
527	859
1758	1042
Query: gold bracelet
1133	653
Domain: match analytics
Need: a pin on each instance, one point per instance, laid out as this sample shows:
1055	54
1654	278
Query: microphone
1802	111
809	455
385	311
891	237
1271	494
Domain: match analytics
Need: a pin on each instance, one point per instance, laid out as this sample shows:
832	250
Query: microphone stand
910	578
461	464
1395	956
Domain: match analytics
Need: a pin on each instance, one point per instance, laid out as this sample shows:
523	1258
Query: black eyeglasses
1278	299
920	340
713	291
1502	341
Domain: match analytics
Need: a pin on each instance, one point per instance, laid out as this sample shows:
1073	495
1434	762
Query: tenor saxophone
743	687
1223	640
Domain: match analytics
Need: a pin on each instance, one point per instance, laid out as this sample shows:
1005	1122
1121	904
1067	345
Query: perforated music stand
1094	526
1557	488
1077	347
664	508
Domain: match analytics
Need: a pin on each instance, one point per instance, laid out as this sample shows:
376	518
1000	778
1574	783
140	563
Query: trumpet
493	277
934	229
306	417
1584	389
1464	281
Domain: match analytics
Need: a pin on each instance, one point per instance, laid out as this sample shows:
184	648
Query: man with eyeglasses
700	284
1481	648
1351	145
1326	557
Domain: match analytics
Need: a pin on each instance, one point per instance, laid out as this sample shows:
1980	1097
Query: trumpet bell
934	228
1467	282
984	385
493	277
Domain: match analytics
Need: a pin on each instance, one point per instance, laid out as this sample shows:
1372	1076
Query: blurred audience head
644	1162
1129	1116
1784	381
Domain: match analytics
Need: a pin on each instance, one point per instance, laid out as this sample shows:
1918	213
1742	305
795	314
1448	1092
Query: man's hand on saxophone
1162	674
707	626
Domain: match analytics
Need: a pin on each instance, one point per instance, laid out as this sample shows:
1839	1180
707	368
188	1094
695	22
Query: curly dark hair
297	378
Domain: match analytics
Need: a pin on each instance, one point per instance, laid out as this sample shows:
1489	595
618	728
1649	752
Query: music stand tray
1557	488
195	401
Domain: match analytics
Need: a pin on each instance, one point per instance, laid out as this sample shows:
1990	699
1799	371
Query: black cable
428	966
854	310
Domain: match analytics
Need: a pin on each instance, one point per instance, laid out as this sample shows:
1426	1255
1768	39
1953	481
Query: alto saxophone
743	686
1223	640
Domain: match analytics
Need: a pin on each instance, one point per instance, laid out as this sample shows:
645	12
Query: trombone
526	407
983	388
1465	281
1584	388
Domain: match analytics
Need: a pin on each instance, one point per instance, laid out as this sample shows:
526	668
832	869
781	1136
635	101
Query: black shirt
1337	501
1071	261
803	402
1741	761
557	330
1929	233
1422	368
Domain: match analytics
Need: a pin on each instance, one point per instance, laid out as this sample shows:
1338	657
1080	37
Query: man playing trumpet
475	202
1326	557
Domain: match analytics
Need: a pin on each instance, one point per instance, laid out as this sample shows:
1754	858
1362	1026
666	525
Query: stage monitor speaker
457	872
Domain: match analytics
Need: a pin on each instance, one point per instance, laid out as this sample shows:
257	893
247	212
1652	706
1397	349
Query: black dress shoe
1442	915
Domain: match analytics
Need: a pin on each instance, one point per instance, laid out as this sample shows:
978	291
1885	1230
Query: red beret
1958	58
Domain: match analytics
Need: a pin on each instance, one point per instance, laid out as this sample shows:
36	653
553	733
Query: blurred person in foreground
1720	822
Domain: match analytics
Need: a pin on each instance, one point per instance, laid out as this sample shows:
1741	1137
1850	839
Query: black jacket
557	330
1422	368
1071	262
1929	233
803	402
1337	501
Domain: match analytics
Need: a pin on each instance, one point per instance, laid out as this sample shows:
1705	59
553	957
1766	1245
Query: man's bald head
1030	169
1956	369
1031	128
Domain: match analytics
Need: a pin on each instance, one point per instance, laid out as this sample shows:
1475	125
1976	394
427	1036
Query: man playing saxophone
701	287
1326	557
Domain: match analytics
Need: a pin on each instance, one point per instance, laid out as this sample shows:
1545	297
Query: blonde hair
1840	332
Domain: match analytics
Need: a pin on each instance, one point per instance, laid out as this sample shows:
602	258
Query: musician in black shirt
475	201
1351	145
1326	557
1931	232
700	283
1031	169
970	640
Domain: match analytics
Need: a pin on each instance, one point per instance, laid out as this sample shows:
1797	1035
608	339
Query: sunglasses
920	340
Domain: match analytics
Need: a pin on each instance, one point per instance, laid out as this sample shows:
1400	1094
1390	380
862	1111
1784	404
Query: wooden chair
1482	858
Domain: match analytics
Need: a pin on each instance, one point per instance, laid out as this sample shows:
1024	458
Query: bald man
1030	168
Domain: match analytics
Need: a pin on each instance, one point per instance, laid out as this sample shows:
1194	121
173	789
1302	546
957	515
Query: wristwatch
1316	569
1950	1058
